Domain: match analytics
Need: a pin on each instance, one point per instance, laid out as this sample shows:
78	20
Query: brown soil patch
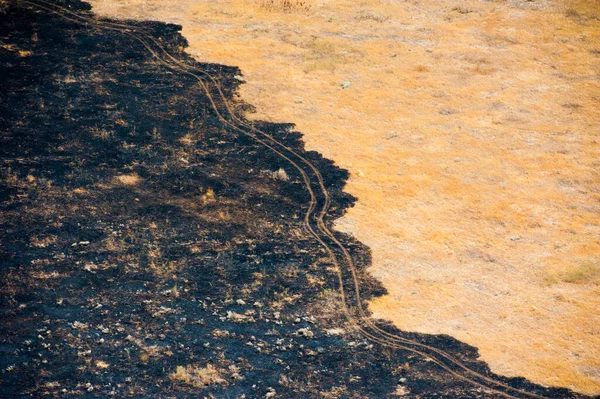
470	129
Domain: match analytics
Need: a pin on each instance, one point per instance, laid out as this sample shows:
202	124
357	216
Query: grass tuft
462	10
197	377
288	6
370	16
585	273
128	180
281	174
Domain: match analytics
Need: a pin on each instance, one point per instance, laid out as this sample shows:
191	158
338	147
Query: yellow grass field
471	131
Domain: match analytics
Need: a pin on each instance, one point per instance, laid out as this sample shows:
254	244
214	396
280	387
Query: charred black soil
150	250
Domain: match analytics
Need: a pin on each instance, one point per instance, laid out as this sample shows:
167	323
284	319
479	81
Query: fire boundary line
371	331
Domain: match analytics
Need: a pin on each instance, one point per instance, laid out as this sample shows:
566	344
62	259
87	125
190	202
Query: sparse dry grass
128	180
208	196
462	10
102	364
326	55
189	139
288	6
102	134
164	269
585	273
588	273
197	377
364	15
42	242
280	174
9	47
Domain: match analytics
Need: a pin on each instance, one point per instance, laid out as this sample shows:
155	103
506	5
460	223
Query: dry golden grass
13	48
289	6
102	364
42	242
100	133
188	139
208	196
128	180
470	130
585	273
198	377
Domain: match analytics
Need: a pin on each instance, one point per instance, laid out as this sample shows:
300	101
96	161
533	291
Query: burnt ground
140	233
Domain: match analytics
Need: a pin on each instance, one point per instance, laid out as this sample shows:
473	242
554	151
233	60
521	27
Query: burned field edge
149	249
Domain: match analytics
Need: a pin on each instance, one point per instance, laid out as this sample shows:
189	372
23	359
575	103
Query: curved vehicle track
314	218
